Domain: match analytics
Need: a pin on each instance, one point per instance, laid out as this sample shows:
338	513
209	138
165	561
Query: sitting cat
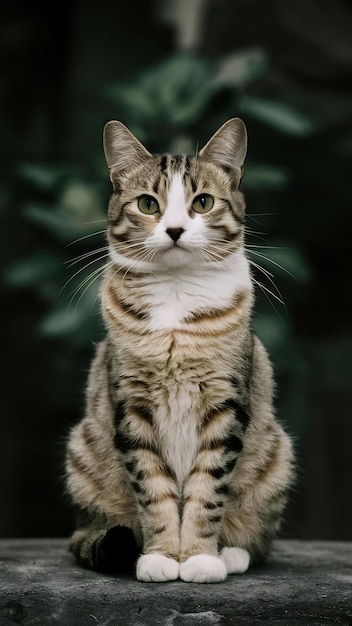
178	468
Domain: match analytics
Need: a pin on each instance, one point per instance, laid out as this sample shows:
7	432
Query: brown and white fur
178	466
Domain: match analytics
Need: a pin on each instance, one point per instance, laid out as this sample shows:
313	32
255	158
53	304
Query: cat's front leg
200	529
205	496
159	516
156	494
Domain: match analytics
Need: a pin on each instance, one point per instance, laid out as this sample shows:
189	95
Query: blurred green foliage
169	107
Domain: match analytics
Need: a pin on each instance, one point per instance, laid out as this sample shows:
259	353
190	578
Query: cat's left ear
122	149
227	148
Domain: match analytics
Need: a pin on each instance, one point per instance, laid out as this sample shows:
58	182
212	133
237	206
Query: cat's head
171	211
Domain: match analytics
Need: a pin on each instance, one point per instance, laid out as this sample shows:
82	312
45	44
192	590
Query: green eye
148	205
203	203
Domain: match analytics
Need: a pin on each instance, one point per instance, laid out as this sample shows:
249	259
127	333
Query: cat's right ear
122	149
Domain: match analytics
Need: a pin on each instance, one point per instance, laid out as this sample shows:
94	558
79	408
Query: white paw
156	568
203	568
235	559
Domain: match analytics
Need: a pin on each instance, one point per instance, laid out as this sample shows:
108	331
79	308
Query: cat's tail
112	551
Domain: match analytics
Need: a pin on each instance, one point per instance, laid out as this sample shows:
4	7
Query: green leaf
277	115
82	202
258	176
241	68
53	221
42	176
133	100
62	321
174	92
79	212
74	315
33	270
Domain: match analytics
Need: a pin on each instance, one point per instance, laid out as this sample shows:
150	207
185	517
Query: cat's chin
174	256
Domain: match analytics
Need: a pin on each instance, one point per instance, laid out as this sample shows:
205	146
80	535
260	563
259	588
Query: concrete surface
302	583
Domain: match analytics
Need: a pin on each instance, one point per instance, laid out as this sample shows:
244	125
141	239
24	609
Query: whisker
87	281
91	279
98	232
274	263
85	255
264	290
267	247
104	256
257	282
269	276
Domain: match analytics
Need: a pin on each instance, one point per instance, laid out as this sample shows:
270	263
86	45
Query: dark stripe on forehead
163	163
177	161
156	184
187	173
193	185
187	164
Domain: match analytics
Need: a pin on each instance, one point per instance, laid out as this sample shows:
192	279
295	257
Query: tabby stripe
142	413
229	234
87	434
124	443
240	415
187	165
271	461
214	320
207	534
117	219
119	411
216	472
121	317
131	466
137	487
159	499
210	505
128	308
156	184
163	163
176	161
230	465
80	467
237	217
232	443
223	489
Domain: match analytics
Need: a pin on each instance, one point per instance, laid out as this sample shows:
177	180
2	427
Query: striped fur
179	447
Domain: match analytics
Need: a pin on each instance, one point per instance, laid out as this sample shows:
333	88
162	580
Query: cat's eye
148	205
203	203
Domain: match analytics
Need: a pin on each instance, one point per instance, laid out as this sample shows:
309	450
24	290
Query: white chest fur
177	428
173	296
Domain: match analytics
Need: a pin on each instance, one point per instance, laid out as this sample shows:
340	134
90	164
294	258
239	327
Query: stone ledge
302	583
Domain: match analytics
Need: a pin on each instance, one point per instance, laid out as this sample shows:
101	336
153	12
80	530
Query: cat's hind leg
112	551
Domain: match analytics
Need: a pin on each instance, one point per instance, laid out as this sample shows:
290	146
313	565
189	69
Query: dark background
173	71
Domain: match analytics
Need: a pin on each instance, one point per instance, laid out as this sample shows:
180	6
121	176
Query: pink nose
175	233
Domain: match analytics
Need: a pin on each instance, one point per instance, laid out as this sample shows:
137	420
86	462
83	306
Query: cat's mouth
175	254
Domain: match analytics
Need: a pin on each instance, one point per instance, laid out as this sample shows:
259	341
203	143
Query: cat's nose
175	233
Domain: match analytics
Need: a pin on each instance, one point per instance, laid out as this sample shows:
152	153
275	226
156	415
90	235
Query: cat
179	468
